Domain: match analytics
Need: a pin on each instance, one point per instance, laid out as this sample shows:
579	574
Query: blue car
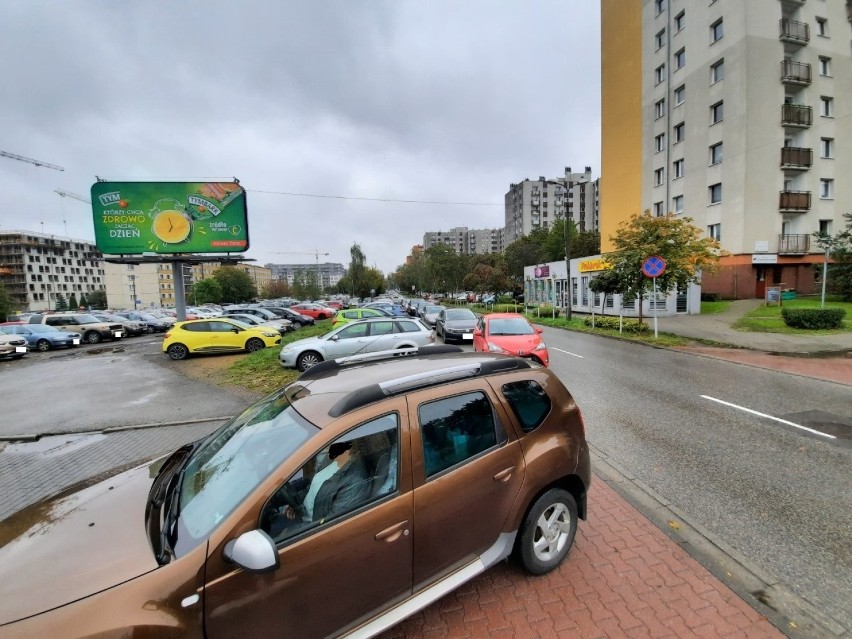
394	310
42	337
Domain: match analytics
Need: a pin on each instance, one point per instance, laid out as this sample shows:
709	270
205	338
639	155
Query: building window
717	71
658	209
660	108
660	39
660	73
677	204
715	232
680	21
717	112
680	59
826	107
822	27
660	142
824	66
826	189
680	95
715	192
679	132
825	227
677	166
826	146
658	176
715	153
660	5
716	31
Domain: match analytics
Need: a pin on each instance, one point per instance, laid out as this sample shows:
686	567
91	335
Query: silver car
430	313
355	338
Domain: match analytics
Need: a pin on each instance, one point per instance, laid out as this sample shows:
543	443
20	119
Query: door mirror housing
538	330
477	332
253	551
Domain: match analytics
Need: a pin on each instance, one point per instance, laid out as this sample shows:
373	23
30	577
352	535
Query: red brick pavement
623	578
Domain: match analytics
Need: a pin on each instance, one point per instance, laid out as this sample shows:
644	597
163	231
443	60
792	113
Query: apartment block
533	204
735	114
328	273
466	241
35	267
135	286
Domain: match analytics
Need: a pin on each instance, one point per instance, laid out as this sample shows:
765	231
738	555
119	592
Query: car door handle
393	533
505	474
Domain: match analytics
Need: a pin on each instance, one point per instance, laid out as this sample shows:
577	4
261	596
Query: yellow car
352	314
216	335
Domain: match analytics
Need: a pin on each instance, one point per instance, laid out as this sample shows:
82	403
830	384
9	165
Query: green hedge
813	318
628	325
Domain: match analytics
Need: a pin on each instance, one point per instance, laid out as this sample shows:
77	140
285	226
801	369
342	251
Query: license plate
467	336
20	349
118	333
76	341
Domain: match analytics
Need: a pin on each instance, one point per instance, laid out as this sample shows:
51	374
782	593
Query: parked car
364	336
429	313
92	329
293	316
389	307
216	335
351	314
280	325
12	346
131	327
510	333
433	469
314	310
149	321
455	324
42	337
265	314
414	307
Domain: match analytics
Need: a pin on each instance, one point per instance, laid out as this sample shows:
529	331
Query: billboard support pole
180	290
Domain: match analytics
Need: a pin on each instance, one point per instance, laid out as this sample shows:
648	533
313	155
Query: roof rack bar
409	382
421	351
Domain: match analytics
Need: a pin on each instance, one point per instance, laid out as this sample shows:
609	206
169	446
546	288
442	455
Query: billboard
169	217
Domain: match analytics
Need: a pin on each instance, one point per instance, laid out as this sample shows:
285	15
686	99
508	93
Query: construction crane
21	158
73	196
315	253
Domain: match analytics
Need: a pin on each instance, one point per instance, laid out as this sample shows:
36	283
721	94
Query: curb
34	437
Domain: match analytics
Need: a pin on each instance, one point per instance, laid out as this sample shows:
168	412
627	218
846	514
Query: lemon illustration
172	227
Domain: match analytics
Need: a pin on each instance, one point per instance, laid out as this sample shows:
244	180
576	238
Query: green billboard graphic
132	218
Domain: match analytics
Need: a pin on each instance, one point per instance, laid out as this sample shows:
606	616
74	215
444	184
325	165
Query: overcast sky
438	100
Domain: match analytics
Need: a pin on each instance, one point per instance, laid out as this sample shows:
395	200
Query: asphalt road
777	494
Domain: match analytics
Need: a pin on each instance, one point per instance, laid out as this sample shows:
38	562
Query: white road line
777	419
553	348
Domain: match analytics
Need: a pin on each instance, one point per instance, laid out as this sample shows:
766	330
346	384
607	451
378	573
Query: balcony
794	3
796	159
793	244
796	73
794	202
794	31
797	115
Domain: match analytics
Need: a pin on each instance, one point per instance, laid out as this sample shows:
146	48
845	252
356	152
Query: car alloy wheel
92	337
548	531
255	344
308	359
150	329
43	345
178	351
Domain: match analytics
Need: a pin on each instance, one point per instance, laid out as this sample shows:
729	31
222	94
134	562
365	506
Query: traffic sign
654	266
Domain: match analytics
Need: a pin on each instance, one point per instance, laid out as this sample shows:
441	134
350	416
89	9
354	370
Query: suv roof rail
334	364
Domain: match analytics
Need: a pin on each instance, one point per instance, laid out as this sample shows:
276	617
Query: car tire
308	359
92	337
547	532
322	316
178	352
42	345
255	344
150	329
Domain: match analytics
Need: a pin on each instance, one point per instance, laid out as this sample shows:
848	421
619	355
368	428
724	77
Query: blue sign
654	266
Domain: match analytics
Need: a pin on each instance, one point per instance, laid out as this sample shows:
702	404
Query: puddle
54	445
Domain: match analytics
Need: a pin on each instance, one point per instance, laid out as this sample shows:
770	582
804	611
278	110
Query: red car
314	310
512	334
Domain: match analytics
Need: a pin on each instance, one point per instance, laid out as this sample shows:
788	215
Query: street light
568	290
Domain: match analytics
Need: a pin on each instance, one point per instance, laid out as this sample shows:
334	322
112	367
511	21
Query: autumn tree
236	284
671	237
275	289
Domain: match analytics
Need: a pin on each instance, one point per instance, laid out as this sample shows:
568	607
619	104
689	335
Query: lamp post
568	291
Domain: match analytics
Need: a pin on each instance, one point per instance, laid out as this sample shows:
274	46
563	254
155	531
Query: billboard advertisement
132	218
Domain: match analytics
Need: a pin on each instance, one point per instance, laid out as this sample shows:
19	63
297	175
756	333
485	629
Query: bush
507	308
813	318
504	299
710	297
628	326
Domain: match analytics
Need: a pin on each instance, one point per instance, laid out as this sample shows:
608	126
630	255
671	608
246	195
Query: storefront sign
587	266
542	271
765	258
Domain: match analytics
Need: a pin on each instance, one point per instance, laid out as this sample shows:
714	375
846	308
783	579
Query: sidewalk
623	578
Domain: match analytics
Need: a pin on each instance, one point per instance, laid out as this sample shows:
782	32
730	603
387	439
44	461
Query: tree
443	269
97	299
236	284
306	285
356	271
5	303
60	303
674	239
275	289
839	250
207	291
83	301
72	302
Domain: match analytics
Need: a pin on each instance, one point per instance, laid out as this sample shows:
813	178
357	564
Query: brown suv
337	506
92	329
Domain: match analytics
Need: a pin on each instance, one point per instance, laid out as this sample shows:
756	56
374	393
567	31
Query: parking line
553	348
777	419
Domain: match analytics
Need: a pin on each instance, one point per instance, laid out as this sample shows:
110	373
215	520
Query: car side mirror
253	551
236	329
538	330
477	332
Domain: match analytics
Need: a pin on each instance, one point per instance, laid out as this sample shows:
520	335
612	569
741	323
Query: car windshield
240	323
88	319
148	317
510	326
233	461
460	314
42	329
434	309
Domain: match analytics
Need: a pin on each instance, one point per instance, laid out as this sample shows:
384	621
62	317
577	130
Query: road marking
553	348
777	419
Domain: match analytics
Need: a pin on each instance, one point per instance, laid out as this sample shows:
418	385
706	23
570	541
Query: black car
290	314
455	324
151	323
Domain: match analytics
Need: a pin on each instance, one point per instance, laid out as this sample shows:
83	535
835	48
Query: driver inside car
337	488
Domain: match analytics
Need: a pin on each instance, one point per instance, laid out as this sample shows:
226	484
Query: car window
221	327
350	314
353	331
382	328
510	326
455	429
197	327
358	468
409	327
529	402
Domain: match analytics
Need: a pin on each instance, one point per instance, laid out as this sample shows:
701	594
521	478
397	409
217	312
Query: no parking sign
653	266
